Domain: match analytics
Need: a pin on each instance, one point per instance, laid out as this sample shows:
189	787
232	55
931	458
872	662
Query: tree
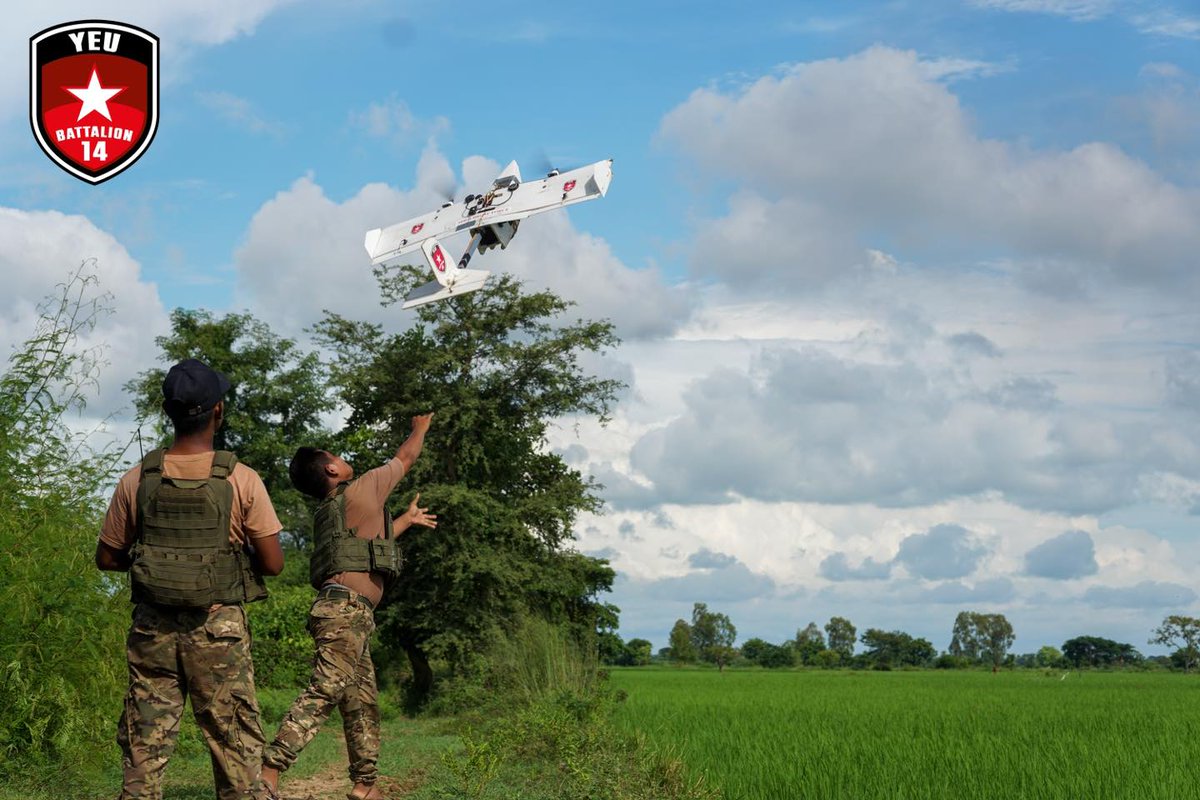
981	637
809	642
841	635
498	366
1048	656
276	398
890	648
713	635
637	652
1183	633
682	649
1096	651
753	649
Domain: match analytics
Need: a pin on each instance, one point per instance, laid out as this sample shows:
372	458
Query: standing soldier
196	531
354	552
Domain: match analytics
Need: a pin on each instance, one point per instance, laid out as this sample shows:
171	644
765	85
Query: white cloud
830	150
40	249
239	112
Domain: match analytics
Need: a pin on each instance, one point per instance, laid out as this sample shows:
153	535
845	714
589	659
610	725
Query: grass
935	734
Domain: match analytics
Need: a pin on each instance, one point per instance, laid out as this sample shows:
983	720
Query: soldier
354	553
196	531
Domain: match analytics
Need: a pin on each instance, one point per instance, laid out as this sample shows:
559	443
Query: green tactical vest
182	555
336	548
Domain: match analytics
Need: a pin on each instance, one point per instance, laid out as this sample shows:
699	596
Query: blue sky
907	290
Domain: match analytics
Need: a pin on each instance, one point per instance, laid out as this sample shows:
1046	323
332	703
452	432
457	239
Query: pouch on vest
337	548
182	555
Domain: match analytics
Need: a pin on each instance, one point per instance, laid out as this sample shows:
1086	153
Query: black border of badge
152	96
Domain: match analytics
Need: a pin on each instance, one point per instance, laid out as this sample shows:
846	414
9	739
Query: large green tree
890	648
277	397
498	367
713	635
981	637
681	648
841	633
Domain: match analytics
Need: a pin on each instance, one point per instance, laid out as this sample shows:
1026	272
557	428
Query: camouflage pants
342	676
175	654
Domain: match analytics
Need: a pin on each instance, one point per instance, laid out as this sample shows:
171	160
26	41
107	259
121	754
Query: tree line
976	640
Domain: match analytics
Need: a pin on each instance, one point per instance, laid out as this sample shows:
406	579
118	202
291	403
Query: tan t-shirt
366	498
252	516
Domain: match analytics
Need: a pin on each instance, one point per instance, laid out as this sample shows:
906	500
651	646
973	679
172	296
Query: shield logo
417	228
568	186
93	95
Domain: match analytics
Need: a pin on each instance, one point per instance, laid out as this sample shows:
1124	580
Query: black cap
192	388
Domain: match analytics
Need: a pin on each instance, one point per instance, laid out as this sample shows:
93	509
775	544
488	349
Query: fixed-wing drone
491	218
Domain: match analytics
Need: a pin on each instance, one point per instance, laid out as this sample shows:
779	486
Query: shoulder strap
223	464
153	462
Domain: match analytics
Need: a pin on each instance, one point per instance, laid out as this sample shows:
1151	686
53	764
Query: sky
907	291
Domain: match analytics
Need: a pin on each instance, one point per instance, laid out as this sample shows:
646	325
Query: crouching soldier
354	553
196	531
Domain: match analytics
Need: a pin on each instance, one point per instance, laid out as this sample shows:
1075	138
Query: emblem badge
93	95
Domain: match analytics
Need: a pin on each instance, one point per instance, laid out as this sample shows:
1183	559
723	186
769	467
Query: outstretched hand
420	423
419	516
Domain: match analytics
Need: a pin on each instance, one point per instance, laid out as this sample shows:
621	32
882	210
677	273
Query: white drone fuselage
491	219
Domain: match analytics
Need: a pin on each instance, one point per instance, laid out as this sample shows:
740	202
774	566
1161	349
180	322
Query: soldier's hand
420	516
420	423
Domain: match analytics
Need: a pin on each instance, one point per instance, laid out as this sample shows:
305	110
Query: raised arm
411	448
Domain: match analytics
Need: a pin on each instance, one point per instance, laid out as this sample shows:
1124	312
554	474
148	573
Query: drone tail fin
444	268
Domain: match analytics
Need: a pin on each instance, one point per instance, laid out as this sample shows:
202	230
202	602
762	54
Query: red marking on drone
568	186
417	228
439	259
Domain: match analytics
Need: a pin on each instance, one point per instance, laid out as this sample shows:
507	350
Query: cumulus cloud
707	559
944	551
836	567
1147	594
871	138
1071	554
40	249
307	247
729	584
991	590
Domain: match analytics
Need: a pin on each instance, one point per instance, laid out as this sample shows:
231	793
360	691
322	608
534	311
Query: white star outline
95	97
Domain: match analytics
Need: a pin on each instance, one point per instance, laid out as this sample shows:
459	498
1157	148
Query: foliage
841	635
682	649
498	366
895	648
275	402
282	646
981	637
712	635
1182	633
1096	651
809	643
61	621
1048	656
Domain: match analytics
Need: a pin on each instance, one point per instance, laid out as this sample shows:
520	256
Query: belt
338	593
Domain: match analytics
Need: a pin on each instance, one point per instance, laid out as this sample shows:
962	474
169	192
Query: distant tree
1182	633
637	653
752	649
809	642
713	635
681	647
1048	656
981	637
964	640
828	659
892	648
777	656
841	636
1096	651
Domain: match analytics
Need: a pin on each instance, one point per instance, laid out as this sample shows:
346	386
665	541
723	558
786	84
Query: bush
62	622
282	647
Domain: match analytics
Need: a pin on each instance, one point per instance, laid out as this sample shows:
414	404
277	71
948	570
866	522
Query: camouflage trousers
343	676
204	655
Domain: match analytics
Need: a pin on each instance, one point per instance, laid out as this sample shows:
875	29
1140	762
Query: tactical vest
182	555
337	548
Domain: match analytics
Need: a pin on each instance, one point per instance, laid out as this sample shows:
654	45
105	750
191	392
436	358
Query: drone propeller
444	187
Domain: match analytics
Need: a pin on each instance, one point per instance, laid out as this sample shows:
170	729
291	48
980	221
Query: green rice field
934	734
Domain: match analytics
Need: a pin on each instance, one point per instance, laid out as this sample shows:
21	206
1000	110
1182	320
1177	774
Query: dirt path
331	783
